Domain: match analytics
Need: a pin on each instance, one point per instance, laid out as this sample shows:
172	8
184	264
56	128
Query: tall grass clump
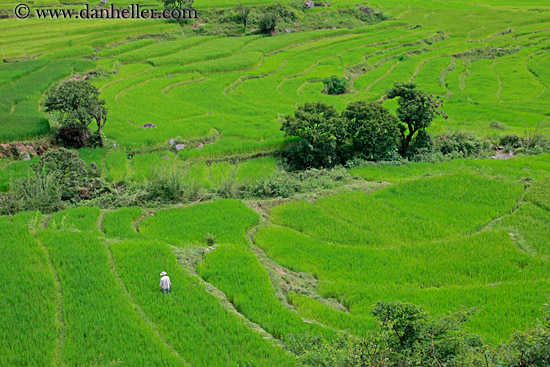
40	190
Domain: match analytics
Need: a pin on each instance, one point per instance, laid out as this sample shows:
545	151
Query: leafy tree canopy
77	102
416	110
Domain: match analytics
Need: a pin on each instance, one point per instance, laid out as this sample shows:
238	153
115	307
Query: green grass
27	336
101	325
539	193
412	212
14	171
145	164
237	272
116	166
19	99
442	242
443	235
118	223
90	155
80	219
310	308
512	169
487	264
226	219
189	318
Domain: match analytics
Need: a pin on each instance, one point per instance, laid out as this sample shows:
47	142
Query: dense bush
267	23
59	178
459	145
76	104
335	85
374	132
416	111
73	136
322	134
408	336
510	141
366	130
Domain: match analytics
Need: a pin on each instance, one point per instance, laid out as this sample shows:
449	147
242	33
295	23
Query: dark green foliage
364	130
59	177
178	4
510	141
77	103
459	145
369	15
322	134
210	239
97	139
267	23
286	184
77	179
401	321
335	85
416	110
408	336
373	130
530	347
73	135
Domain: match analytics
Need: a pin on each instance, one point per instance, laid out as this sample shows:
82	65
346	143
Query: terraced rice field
466	235
491	66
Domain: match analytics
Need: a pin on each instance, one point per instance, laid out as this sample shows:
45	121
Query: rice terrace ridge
313	183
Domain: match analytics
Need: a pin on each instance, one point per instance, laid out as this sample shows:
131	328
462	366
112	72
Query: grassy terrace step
416	211
226	219
101	325
237	272
27	336
191	320
444	241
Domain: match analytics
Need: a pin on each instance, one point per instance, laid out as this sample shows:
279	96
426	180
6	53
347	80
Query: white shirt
165	282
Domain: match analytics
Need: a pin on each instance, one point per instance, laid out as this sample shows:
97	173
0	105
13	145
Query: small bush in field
335	85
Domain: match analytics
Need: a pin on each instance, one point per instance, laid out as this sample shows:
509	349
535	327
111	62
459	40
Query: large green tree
373	131
77	102
322	133
416	110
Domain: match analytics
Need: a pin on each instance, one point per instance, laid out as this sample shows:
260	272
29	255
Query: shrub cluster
367	131
534	143
335	85
59	178
76	104
408	336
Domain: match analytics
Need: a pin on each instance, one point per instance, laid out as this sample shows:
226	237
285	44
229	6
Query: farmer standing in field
165	284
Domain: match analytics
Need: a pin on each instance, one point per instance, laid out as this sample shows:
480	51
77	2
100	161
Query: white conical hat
163	273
